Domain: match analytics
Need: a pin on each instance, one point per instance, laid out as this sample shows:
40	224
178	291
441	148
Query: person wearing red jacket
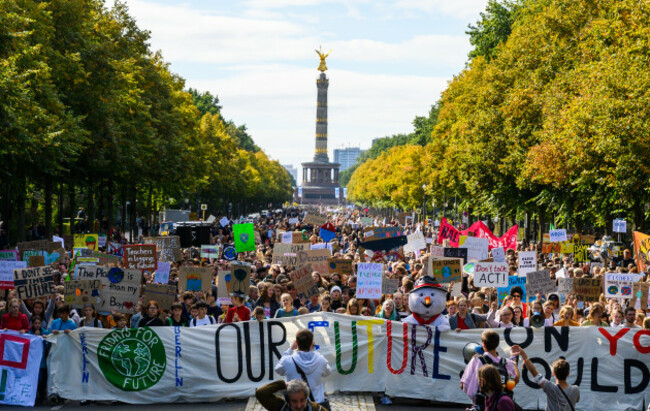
14	319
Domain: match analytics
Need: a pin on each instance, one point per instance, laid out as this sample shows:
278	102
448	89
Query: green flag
244	237
552	226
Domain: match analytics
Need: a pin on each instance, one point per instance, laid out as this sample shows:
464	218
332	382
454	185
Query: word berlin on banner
366	354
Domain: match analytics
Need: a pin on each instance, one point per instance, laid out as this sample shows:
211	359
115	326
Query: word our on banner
365	354
491	274
369	283
34	282
141	257
20	361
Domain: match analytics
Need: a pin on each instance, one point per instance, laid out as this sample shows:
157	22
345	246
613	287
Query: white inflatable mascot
427	301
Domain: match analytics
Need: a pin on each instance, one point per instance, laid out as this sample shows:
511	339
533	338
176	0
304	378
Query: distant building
346	157
291	170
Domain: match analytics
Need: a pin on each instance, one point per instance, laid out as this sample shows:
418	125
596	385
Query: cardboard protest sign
114	248
369	280
437	252
162	272
8	255
122	292
389	285
303	281
366	221
587	289
527	262
36	261
43	245
299	237
195	279
258	237
34	282
59	239
641	250
456	253
163	294
513	281
167	247
499	255
620	285
224	285
540	282
415	242
317	258
640	293
557	236
340	266
445	270
477	248
286	254
100	258
7	273
80	292
240	278
581	253
244	237
90	241
53	257
565	285
381	233
141	257
490	274
401	217
169	255
287	237
210	251
294	221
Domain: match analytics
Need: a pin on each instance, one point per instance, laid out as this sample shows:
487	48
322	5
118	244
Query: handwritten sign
195	278
162	273
581	253
122	292
565	285
587	289
167	247
286	254
477	248
303	281
527	262
8	255
163	294
557	236
389	285
381	233
491	274
7	273
499	255
140	257
223	287
640	293
415	242
619	285
369	280
619	226
340	266
44	245
210	251
446	270
437	252
513	281
317	258
540	282
80	292
34	282
314	219
90	241
451	252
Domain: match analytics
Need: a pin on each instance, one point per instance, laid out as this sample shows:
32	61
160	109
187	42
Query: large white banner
167	364
20	359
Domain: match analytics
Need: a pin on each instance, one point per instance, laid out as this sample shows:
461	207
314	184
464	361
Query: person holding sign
14	319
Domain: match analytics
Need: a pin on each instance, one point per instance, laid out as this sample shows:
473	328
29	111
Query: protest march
139	326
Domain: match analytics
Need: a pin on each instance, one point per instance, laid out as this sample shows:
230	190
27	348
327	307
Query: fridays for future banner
168	364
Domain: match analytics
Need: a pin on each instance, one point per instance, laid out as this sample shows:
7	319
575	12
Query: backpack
503	371
212	320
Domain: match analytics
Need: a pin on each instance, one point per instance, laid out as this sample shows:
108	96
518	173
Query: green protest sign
244	237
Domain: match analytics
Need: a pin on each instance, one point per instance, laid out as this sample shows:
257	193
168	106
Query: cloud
460	9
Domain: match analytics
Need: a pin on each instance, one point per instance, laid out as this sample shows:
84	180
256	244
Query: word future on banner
369	283
141	257
491	275
34	282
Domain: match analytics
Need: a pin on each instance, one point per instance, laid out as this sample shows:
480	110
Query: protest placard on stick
163	294
77	293
540	282
34	282
303	281
587	289
195	279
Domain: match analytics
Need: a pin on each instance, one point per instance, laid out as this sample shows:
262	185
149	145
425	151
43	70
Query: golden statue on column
322	67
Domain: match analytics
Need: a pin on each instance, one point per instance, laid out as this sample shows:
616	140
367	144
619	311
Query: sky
389	62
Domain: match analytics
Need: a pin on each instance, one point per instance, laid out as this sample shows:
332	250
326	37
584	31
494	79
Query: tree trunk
73	207
132	214
59	214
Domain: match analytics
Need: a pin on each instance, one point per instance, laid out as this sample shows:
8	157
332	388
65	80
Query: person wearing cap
427	301
335	292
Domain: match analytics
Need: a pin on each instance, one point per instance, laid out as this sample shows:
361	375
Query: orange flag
641	249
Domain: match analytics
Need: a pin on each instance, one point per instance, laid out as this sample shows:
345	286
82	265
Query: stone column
322	83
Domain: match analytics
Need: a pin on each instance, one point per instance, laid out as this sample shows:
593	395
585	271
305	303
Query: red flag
448	231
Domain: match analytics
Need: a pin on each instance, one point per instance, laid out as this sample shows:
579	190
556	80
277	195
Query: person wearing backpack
508	371
560	396
492	397
202	317
90	317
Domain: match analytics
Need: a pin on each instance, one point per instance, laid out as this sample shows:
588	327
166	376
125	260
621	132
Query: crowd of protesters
273	295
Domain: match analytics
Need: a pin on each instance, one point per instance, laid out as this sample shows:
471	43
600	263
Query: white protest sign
620	285
369	280
211	219
540	282
620	226
224	221
527	262
477	248
490	274
498	255
162	273
415	242
20	362
557	236
565	285
101	240
293	220
437	251
61	240
287	237
7	272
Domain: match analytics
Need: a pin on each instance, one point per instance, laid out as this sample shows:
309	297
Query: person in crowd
37	327
566	318
326	303
306	364
616	319
90	317
537	308
135	318
202	317
267	301
38	308
296	396
464	320
469	382
14	319
388	311
560	396
120	321
314	303
151	318
506	315
177	318
353	307
287	309
258	314
335	292
517	293
64	323
214	309
640	318
630	317
238	312
595	316
491	395
518	319
452	308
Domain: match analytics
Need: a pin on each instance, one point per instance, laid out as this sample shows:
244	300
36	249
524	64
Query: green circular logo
132	359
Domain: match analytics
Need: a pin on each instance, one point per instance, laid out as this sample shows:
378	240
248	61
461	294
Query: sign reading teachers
141	257
34	282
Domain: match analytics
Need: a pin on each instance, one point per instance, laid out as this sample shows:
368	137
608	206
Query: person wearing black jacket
150	317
